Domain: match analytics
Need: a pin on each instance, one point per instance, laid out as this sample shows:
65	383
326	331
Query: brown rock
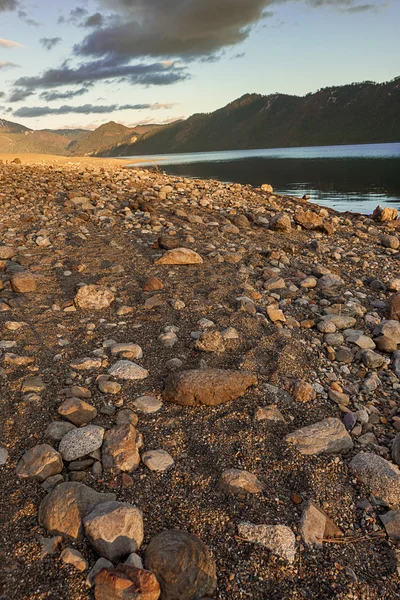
6	252
308	219
316	526
210	341
281	222
303	391
390	241
24	283
381	215
211	387
180	256
94	297
182	564
61	512
77	411
40	463
119	451
237	481
152	284
386	344
126	583
394	307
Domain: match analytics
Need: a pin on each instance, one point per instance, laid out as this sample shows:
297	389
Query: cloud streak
9	44
4	64
86	109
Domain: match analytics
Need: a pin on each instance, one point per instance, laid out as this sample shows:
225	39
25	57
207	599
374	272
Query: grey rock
157	460
80	442
327	436
128	370
381	476
279	539
58	429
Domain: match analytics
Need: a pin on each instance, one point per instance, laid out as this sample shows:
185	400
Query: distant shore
53	159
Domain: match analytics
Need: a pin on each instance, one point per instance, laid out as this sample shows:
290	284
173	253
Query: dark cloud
74	17
49	43
8	5
86	109
20	94
96	20
27	19
365	8
143	74
2	94
52	96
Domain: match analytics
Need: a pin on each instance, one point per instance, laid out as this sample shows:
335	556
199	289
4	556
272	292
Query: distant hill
71	134
19	139
9	127
351	114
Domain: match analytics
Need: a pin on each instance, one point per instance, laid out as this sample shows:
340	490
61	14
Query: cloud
143	74
19	94
74	17
8	5
361	8
9	44
95	20
52	96
4	64
26	18
86	109
49	43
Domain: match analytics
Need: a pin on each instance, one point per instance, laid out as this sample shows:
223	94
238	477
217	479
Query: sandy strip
52	159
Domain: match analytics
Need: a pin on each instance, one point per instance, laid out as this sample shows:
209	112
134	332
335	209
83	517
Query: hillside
351	114
100	140
32	142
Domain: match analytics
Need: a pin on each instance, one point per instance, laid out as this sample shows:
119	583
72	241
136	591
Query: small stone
109	387
94	297
134	350
316	526
238	481
86	364
303	391
396	449
327	436
269	413
3	456
147	404
127	370
157	460
211	341
80	442
77	411
152	284
391	522
23	283
32	383
126	582
58	429
50	545
180	256
70	556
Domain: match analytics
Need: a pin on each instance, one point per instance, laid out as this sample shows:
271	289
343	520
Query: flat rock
39	463
180	256
391	522
238	481
327	436
62	510
23	283
147	404
114	529
279	539
119	451
157	460
80	442
127	370
134	350
77	411
381	476
269	413
94	297
210	387
57	429
126	582
182	564
71	556
316	526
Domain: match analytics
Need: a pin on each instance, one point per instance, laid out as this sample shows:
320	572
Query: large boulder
381	476
40	463
210	387
114	529
381	215
327	436
61	512
126	582
119	450
94	297
180	256
183	565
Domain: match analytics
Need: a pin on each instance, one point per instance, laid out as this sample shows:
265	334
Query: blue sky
140	61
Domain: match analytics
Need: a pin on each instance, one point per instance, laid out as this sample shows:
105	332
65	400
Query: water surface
348	178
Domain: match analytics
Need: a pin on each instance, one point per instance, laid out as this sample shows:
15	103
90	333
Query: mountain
351	114
15	138
9	127
71	134
100	140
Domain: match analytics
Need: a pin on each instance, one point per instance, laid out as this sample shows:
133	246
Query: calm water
347	178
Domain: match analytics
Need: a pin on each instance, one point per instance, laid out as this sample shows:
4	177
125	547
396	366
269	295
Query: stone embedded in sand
210	387
238	481
114	529
94	297
381	215
182	564
381	476
77	411
56	430
303	391
7	252
396	449
61	512
86	364
157	460
126	582
127	370
23	283
80	442
210	341
147	404
279	539
152	284
39	463
119	451
330	281
180	256
316	526
269	413
134	350
327	436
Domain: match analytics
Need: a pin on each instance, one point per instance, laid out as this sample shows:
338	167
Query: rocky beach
199	390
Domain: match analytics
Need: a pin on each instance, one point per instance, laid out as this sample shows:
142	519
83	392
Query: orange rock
125	583
152	284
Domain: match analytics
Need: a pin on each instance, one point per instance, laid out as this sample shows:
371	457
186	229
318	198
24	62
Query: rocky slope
363	113
199	391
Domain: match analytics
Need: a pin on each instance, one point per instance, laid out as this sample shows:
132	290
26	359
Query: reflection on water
355	178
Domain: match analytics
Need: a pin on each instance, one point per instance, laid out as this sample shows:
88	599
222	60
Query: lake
347	178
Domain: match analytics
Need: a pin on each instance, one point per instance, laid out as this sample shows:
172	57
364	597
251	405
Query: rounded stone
80	442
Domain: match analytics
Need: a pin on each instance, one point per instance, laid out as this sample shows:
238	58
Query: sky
81	64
